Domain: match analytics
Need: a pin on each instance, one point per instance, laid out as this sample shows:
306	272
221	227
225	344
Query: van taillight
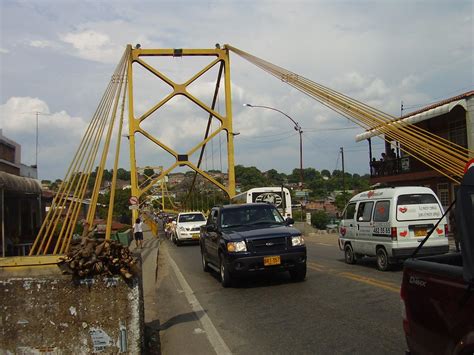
393	234
446	230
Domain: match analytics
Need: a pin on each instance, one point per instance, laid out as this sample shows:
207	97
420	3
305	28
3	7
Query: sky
57	57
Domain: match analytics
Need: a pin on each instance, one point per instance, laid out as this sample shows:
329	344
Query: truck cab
242	239
437	293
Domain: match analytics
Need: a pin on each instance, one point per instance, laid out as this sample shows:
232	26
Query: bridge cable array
59	225
440	154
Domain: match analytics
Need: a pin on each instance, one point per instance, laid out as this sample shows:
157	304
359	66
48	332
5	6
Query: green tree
120	204
320	219
123	174
341	201
326	173
249	177
148	172
275	178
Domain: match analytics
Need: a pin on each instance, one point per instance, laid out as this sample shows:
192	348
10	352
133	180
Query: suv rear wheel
226	278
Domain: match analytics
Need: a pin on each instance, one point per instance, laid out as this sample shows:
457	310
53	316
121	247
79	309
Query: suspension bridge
116	110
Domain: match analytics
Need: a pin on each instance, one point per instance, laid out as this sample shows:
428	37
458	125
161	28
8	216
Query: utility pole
36	156
343	176
300	131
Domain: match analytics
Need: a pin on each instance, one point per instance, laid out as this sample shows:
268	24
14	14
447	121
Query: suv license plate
271	260
195	236
420	232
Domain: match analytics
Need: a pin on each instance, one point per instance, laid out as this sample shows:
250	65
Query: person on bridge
138	233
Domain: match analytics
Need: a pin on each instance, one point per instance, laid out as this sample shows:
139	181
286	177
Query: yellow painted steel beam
21	261
170	52
222	56
132	126
228	127
156	179
207	176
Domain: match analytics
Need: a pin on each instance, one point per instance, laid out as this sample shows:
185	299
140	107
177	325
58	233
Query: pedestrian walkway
171	325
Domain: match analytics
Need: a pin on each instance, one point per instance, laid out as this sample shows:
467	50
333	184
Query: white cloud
59	133
377	62
91	45
41	43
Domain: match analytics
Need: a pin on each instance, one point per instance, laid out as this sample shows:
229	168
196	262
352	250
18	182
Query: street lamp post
297	128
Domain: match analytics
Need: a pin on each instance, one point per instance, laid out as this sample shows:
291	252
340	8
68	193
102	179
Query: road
339	308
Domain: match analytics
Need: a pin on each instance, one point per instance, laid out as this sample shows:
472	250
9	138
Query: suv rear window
415	207
416	199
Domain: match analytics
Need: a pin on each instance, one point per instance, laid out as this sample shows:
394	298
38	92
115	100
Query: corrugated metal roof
433	110
10	182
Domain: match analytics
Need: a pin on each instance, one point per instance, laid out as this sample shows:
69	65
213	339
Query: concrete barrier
43	311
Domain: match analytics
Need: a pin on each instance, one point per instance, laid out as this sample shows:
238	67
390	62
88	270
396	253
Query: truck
240	240
437	292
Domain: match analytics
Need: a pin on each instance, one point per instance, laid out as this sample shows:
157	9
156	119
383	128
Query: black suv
239	239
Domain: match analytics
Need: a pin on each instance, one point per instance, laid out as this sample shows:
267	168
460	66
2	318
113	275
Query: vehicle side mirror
289	221
211	227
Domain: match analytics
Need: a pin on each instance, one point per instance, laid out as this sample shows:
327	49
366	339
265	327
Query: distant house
322	205
20	200
175	179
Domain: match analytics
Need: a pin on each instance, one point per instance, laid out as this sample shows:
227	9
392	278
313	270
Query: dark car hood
252	232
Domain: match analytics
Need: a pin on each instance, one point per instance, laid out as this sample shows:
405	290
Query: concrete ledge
50	313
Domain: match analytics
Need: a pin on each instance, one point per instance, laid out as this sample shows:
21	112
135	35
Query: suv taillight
446	230
393	233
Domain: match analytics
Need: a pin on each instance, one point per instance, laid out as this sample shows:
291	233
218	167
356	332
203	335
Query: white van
390	223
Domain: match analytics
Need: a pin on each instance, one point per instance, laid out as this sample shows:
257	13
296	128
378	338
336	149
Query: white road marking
220	347
328	245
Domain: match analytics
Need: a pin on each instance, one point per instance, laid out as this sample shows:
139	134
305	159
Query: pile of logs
90	256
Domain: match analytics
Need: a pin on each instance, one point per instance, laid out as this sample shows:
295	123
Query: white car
188	225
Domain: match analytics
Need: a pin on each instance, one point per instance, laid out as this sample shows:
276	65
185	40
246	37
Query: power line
330	129
270	141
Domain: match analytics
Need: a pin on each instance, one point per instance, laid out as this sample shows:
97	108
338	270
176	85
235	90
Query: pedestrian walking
138	233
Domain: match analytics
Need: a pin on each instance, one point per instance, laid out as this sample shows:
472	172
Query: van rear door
416	214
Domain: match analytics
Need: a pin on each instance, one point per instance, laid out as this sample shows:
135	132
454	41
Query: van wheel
349	254
382	259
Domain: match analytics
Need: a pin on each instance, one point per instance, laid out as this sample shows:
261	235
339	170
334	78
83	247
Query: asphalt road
338	309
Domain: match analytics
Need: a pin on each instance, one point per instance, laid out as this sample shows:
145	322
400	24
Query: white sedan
188	225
